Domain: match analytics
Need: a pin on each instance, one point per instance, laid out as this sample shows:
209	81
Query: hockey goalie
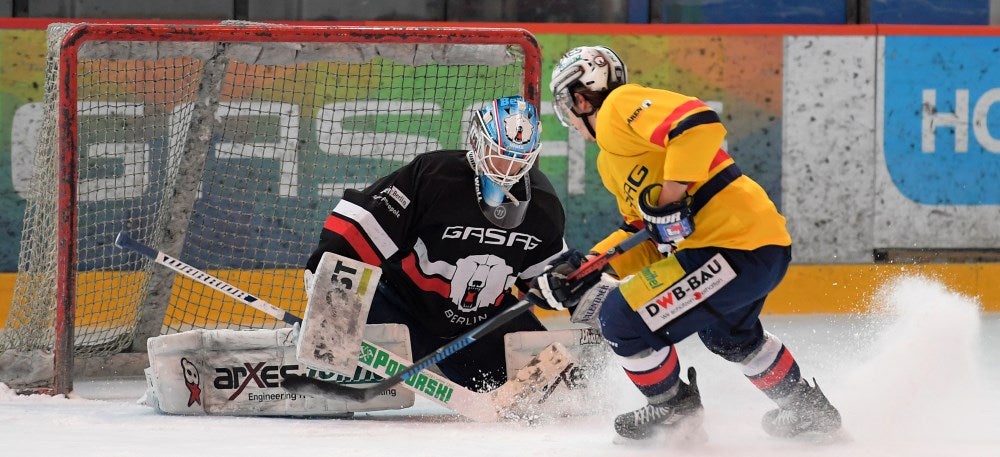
402	268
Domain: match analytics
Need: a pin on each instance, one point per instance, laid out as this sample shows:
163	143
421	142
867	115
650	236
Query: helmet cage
504	140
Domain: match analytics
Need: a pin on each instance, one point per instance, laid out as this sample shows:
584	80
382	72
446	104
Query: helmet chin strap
585	117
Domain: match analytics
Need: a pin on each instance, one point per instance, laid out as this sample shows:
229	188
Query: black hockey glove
668	224
553	290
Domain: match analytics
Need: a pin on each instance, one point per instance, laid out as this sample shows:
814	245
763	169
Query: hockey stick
123	241
294	382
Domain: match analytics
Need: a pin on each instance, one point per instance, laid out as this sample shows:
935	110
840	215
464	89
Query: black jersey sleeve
372	224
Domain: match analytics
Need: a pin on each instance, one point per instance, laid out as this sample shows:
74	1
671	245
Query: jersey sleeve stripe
367	222
660	132
354	237
694	120
720	156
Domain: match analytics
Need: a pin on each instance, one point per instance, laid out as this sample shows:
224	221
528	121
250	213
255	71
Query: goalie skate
677	421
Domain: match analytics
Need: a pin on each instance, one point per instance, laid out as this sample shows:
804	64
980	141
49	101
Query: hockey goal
224	146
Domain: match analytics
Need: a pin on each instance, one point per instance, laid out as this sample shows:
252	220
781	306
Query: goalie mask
504	141
596	68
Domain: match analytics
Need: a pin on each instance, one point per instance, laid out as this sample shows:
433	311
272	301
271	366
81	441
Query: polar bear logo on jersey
479	281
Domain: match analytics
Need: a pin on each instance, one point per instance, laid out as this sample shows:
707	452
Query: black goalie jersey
423	226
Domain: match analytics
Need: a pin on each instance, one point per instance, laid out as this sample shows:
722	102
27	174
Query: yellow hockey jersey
648	136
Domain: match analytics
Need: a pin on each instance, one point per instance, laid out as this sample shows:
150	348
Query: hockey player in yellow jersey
718	247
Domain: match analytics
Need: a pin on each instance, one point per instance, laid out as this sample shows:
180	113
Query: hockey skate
677	421
806	414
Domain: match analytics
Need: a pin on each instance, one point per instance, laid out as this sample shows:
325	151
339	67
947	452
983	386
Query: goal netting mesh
225	146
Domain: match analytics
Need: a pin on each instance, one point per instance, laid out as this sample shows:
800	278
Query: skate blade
835	437
686	434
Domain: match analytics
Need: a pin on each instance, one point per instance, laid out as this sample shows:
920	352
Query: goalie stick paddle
123	241
299	382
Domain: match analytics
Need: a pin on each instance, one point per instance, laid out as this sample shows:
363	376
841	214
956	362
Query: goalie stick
298	383
123	241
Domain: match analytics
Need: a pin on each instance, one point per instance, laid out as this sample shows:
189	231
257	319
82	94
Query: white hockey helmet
596	68
504	140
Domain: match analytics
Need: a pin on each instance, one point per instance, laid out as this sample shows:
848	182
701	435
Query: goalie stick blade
304	385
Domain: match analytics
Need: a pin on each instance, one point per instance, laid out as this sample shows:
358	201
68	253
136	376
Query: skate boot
680	418
806	412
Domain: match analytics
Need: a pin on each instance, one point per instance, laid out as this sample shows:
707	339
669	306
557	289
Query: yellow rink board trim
806	289
108	299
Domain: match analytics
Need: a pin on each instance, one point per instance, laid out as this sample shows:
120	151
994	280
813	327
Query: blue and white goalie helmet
504	140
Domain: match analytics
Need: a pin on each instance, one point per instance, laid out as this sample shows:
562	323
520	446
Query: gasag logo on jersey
633	183
687	293
492	236
942	140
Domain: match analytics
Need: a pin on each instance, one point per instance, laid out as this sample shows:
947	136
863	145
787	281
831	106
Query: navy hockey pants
728	322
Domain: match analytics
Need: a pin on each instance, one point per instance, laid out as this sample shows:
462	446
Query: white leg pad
238	373
340	296
579	389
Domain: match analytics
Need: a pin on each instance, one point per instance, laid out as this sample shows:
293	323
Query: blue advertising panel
951	12
942	118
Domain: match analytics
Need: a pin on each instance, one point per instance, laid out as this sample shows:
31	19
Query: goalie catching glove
554	290
668	224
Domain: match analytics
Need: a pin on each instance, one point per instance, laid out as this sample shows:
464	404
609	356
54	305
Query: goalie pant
445	267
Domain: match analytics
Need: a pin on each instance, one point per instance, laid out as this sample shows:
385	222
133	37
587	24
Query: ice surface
921	377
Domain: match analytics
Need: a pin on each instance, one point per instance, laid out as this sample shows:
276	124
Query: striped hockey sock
772	369
655	373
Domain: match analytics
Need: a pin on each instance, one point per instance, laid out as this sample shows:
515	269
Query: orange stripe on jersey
426	283
660	133
354	237
720	156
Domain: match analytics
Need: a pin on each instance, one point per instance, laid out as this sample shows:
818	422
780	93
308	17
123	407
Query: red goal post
224	145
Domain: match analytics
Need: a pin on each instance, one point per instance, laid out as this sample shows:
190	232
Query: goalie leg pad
340	296
578	388
238	373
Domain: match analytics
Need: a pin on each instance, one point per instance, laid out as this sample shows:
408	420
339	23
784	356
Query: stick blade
304	385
